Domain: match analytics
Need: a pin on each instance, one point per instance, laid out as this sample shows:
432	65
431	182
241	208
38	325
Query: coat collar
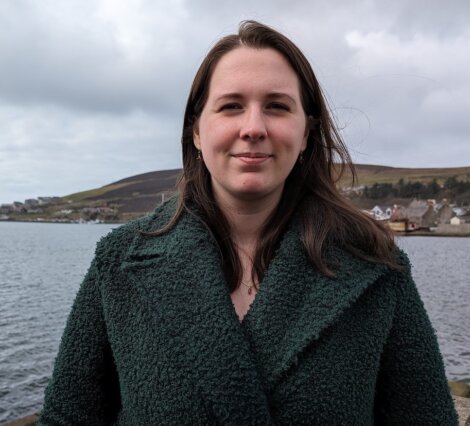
237	363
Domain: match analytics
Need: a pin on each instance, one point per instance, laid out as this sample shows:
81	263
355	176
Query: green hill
141	193
369	174
137	195
133	195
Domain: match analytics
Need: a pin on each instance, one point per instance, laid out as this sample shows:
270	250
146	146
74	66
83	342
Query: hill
152	183
134	196
369	174
141	193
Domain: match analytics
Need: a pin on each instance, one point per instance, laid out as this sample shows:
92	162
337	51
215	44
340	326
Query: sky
93	91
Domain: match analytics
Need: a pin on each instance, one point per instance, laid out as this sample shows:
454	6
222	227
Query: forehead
247	69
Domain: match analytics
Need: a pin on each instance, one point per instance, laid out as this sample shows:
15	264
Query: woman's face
253	125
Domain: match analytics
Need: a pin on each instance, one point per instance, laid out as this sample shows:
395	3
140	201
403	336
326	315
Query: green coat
153	339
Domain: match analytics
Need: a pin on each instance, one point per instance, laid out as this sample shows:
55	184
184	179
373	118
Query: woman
260	295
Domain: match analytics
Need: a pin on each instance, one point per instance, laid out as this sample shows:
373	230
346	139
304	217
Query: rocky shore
443	230
24	421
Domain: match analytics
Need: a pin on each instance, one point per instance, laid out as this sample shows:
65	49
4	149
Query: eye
230	106
278	106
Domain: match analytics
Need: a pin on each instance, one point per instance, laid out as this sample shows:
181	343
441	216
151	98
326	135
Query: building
421	214
459	220
382	212
443	211
31	202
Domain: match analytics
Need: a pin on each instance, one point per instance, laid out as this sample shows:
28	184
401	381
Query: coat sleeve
412	387
84	387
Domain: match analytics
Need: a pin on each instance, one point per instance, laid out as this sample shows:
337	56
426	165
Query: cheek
213	149
214	152
291	140
216	143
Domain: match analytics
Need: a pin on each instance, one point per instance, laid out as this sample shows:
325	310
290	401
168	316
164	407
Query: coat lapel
296	304
181	282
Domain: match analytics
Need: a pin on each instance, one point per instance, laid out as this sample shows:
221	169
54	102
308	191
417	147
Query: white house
459	220
382	212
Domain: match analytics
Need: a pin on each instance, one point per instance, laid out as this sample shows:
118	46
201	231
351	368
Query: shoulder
401	257
396	281
403	275
402	283
117	242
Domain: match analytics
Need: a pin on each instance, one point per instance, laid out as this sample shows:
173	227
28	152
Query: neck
247	217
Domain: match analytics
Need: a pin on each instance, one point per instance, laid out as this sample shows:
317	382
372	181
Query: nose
253	128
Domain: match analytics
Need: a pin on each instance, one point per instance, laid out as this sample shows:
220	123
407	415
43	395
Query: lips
252	158
252	155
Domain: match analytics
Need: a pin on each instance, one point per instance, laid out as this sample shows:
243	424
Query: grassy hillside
137	195
370	174
153	183
140	193
130	196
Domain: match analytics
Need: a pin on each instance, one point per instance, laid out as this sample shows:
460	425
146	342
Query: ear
196	137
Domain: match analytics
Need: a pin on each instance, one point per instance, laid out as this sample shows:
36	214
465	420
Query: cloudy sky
93	91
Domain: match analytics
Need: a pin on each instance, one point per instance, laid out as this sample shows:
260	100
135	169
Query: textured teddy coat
153	339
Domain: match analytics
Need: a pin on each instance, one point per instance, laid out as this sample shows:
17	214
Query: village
51	209
425	216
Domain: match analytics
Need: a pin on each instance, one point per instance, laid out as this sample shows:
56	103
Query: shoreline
453	232
63	222
430	234
417	233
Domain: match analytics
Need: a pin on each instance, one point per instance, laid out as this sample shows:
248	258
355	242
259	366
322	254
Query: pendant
249	290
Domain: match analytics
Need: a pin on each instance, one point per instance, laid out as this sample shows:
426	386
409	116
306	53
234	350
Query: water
441	270
42	265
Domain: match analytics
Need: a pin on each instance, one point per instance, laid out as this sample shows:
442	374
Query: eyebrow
272	95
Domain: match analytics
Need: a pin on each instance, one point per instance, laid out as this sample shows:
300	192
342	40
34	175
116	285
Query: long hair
326	216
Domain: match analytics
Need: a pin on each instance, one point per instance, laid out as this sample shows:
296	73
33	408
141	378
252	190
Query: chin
252	193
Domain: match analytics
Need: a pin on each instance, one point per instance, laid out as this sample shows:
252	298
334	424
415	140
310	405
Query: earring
301	157
199	156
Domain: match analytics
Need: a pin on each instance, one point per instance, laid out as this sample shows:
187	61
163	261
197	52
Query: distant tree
452	189
451	182
379	190
433	188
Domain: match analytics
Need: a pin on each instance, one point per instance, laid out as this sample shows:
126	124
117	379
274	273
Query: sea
43	264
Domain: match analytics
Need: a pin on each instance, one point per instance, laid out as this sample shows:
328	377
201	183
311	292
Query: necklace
250	287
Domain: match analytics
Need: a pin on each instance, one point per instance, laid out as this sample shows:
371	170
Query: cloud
37	159
94	90
418	87
90	58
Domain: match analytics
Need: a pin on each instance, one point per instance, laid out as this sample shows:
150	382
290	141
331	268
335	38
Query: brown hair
326	216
